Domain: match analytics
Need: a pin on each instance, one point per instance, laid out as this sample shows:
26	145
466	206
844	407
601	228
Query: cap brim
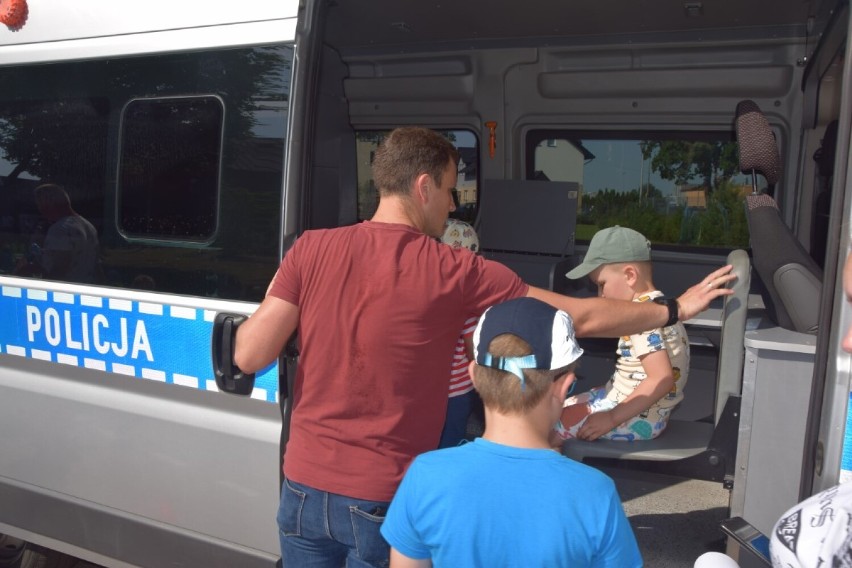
581	270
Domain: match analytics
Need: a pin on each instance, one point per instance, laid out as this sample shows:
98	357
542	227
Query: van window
175	160
675	188
467	186
168	179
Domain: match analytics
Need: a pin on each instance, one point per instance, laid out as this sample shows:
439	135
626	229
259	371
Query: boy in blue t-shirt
508	499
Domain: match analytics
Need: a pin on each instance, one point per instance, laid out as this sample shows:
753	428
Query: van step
682	439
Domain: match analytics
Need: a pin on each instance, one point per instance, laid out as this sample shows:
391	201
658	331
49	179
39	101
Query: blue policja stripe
146	340
846	457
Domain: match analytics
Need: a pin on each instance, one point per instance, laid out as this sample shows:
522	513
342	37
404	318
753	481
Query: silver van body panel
149	450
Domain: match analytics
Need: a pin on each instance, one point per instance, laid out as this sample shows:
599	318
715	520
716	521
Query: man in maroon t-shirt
378	306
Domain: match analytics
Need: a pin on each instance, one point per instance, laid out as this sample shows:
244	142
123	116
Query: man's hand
698	298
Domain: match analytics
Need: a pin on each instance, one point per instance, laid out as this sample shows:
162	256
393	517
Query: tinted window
175	160
467	185
676	188
168	181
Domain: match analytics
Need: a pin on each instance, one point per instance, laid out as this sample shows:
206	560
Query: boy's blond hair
645	268
501	390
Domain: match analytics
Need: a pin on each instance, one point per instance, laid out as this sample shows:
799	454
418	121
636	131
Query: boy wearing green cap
652	367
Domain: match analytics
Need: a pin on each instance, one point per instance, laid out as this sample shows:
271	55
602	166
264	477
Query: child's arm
468	347
658	382
467	336
400	560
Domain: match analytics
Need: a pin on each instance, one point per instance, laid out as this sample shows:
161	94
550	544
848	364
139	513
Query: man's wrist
672	307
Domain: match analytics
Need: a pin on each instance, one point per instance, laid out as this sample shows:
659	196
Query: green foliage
681	161
722	223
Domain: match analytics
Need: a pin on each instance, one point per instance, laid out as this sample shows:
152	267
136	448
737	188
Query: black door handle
229	377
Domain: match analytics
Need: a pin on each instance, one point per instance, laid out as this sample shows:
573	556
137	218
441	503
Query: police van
190	143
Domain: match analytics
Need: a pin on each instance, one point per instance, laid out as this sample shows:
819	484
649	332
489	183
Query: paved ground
675	520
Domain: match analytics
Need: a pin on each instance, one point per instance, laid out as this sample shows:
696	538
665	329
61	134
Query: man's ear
421	187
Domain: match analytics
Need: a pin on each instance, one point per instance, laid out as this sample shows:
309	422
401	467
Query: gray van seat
528	225
791	277
685	438
682	439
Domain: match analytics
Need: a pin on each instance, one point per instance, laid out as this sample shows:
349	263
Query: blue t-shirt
490	505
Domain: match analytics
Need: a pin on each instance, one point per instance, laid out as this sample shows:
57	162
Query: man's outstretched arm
602	317
262	337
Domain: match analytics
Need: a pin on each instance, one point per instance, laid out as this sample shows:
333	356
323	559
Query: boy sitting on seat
507	499
652	367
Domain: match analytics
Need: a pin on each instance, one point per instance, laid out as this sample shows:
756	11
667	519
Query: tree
683	161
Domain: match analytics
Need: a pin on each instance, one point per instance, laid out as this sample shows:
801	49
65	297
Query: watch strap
673	307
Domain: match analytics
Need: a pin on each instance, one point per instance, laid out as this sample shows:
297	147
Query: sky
619	165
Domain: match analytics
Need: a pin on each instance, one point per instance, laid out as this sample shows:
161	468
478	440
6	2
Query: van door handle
229	377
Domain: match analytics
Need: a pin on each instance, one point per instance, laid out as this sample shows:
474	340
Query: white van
199	139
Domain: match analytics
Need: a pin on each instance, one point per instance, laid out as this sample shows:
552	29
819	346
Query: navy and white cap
550	333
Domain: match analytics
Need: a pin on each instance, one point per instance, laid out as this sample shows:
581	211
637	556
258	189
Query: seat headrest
757	148
760	200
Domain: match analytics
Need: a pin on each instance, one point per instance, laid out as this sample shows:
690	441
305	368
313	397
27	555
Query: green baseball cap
614	244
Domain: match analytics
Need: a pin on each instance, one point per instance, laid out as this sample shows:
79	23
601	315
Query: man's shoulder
325	237
328	232
364	228
69	227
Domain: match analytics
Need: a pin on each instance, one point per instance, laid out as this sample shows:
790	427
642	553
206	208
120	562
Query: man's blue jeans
324	530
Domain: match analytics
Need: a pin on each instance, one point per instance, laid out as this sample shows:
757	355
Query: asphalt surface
675	520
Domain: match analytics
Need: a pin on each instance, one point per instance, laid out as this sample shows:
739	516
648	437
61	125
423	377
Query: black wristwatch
671	304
